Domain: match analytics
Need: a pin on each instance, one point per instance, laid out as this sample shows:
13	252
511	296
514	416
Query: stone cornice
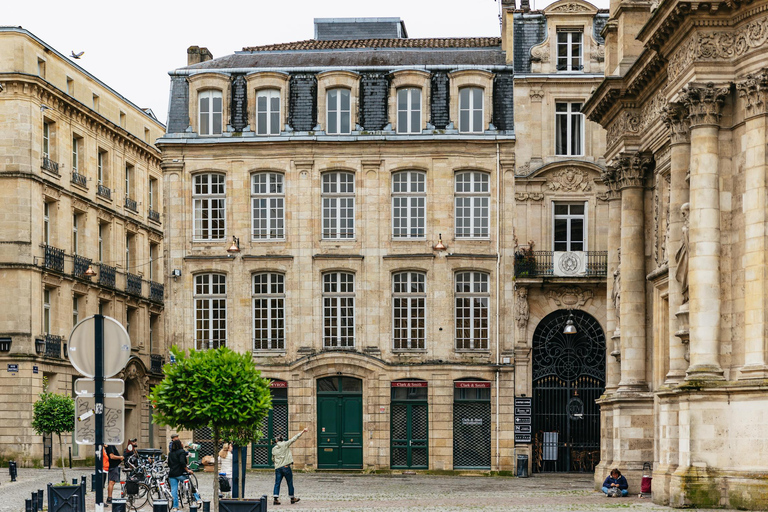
675	116
631	169
604	99
704	102
754	90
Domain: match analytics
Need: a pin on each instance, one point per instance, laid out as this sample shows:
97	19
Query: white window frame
47	223
75	310
46	311
467	224
101	242
152	249
412	195
210	296
268	200
409	126
128	180
151	193
569	218
272	304
338	294
339	113
209	192
75	154
479	290
210	115
100	166
47	139
271	123
75	239
567	117
338	195
127	252
409	296
468	108
565	62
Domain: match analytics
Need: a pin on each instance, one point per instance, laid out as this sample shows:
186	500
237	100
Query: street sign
85	420
523	419
82	350
87	387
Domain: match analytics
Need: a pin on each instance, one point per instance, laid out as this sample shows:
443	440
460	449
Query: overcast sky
132	45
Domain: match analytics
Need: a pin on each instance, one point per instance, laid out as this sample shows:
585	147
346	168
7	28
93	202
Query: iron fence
156	291
540	263
156	363
50	166
80	265
133	284
53	346
104	192
153	215
131	204
107	276
54	258
79	179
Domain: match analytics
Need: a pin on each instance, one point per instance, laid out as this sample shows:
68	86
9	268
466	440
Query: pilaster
613	291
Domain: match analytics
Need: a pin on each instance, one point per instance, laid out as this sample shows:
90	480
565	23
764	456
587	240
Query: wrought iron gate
275	424
568	376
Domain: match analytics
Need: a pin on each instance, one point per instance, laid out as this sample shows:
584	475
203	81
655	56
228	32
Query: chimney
196	55
525	5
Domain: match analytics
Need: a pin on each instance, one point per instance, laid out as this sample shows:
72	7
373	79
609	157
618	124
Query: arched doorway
340	423
568	376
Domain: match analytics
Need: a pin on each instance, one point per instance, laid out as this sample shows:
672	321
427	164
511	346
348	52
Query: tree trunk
216	448
61	452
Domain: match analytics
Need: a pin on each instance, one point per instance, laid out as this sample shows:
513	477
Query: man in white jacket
282	458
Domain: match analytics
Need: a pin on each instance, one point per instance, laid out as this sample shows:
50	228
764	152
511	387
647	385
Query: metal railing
80	265
79	179
54	258
540	264
156	291
50	166
131	204
107	276
597	263
153	215
156	363
53	346
133	284
104	192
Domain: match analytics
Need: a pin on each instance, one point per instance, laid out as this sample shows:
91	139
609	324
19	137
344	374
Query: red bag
645	483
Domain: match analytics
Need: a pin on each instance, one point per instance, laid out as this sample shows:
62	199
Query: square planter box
244	505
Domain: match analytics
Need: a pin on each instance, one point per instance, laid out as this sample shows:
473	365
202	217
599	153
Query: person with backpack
282	458
225	469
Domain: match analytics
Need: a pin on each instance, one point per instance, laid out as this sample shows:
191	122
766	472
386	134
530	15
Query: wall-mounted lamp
235	247
89	271
439	246
39	346
570	328
176	273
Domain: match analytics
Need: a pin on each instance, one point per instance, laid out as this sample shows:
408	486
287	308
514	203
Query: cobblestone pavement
340	492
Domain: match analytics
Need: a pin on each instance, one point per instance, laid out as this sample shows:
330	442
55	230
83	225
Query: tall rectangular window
128	247
75	237
473	197
209	198
409	110
472	298
210	112
408	310
47	223
75	310
569	45
75	154
128	180
339	118
151	193
409	198
210	311
338	310
338	205
47	311
46	139
267	206
268	112
152	261
470	110
101	242
569	127
40	68
268	311
570	227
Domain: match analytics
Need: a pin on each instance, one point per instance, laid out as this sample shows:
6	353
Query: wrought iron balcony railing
107	276
131	204
50	166
53	346
541	264
80	265
104	192
133	284
153	215
156	363
79	179
156	291
54	258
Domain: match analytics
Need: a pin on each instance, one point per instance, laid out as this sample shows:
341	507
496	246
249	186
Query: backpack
224	484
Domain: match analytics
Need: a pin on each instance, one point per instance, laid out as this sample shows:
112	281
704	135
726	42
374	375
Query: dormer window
339	112
210	112
268	112
569	45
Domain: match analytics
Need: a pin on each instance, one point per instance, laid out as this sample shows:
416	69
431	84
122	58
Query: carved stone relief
665	241
675	116
656	220
521	308
536	95
540	53
705	102
652	110
597	52
570	179
571	7
528	196
570	296
628	123
754	90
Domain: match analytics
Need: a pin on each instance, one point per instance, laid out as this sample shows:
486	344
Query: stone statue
616	291
521	307
681	256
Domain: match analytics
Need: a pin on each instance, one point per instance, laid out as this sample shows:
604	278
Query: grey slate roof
529	30
600	21
359	28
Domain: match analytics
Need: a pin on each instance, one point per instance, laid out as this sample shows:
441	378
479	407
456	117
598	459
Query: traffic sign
82	349
87	387
85	420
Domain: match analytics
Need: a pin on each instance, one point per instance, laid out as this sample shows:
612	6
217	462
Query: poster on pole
85	420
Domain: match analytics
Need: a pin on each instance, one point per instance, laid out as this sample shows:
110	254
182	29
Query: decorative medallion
570	179
575	408
570	296
569	263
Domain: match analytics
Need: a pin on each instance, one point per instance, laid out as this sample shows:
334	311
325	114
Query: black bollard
28	505
35	507
74	481
193	507
206	506
40	497
118	505
94	481
160	506
12	470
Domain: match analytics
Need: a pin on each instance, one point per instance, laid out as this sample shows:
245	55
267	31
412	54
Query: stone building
81	183
344	208
684	105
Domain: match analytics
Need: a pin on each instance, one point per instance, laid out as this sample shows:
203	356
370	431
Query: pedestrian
282	457
177	471
615	485
174	437
114	458
225	466
129	455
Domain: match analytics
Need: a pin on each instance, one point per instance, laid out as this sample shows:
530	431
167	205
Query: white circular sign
82	347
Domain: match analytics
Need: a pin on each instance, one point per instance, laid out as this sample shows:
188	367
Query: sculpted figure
521	308
616	291
681	256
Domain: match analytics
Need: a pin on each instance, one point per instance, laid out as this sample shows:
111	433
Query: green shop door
275	424
409	425
339	423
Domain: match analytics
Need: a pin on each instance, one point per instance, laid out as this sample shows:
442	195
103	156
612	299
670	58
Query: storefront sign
471	421
278	384
13	367
523	438
472	384
409	384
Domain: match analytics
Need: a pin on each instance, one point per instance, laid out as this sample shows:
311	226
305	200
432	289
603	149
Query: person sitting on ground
615	485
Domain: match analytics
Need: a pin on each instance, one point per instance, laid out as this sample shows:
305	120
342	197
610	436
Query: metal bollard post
160	506
40	495
206	506
28	505
75	503
193	507
74	481
34	502
12	471
118	505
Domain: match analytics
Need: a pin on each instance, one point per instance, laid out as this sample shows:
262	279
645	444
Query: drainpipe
498	298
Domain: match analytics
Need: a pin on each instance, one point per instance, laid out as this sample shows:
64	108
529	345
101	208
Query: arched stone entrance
568	376
136	389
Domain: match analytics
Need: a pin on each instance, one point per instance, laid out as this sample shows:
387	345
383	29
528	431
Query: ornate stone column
754	90
613	291
676	119
705	103
631	177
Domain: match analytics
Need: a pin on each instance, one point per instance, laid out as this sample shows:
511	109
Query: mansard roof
442	42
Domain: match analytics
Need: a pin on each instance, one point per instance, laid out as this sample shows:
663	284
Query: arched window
338	205
339	310
268	311
409	110
409	310
409	199
470	110
210	112
210	311
209	199
472	297
267	206
339	115
268	112
473	196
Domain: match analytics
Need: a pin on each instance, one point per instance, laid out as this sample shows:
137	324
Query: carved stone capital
705	102
631	169
608	176
754	90
536	95
675	116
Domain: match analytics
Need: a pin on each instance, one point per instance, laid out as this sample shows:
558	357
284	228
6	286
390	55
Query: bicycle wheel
193	480
136	501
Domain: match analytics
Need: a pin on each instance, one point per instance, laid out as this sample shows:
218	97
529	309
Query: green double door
339	423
